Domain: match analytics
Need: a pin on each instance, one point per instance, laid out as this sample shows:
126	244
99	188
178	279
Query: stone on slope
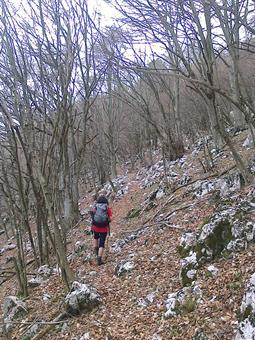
117	246
212	270
34	282
188	272
44	271
147	300
82	298
7	248
246	328
34	329
13	309
228	230
188	241
124	267
183	301
226	186
248	143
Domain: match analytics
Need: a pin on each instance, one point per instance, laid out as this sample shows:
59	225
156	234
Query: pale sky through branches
106	11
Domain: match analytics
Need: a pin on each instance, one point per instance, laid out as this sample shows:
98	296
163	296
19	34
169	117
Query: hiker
101	217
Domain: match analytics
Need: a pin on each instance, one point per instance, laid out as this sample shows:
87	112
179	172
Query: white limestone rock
155	337
248	143
13	309
191	274
82	298
182	301
124	267
187	242
7	248
202	188
46	298
44	271
79	247
213	270
185	180
246	327
246	331
188	272
148	299
160	193
35	281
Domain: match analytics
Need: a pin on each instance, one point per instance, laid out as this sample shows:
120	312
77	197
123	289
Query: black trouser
101	237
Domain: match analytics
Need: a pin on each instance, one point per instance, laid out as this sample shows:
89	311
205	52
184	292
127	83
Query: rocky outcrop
45	271
187	243
148	300
188	272
82	298
228	230
34	282
7	248
121	187
117	246
79	248
156	173
183	301
212	270
124	267
225	186
248	143
43	274
13	309
246	328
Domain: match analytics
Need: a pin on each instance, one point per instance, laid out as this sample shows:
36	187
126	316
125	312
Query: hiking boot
99	261
96	251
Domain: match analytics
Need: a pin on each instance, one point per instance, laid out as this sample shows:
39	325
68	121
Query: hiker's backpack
100	217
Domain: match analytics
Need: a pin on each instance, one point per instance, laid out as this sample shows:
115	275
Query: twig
156	224
27	328
33	322
171	226
170	200
178	209
13	272
204	178
80	220
134	231
56	321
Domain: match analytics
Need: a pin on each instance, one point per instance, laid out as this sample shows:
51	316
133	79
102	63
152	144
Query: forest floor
122	315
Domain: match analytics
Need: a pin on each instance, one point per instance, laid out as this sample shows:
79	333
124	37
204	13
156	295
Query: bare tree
193	39
48	85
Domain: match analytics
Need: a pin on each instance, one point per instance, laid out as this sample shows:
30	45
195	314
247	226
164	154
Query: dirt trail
123	315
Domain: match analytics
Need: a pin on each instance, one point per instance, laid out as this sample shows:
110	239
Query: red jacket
105	229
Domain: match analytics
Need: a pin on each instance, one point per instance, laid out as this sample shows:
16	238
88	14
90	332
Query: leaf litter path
121	315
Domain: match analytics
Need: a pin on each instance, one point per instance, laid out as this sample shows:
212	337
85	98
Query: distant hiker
101	217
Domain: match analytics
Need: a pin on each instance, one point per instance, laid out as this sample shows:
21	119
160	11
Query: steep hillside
150	220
